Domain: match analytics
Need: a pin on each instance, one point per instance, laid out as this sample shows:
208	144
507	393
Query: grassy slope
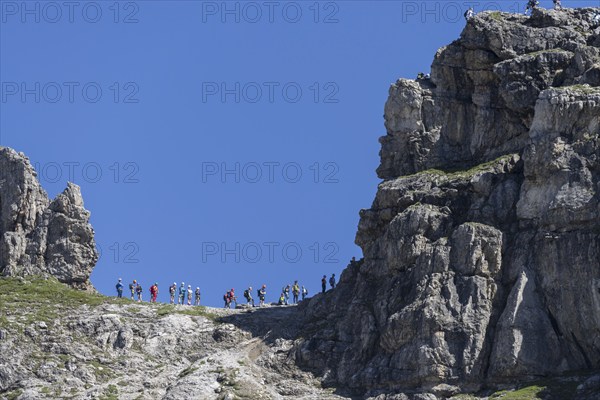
36	299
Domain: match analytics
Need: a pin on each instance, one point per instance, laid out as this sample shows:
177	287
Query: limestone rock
481	249
39	237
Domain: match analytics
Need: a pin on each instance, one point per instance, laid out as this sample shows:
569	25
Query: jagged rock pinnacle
39	237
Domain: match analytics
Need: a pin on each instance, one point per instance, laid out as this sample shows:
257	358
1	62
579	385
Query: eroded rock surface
482	247
85	346
39	236
481	254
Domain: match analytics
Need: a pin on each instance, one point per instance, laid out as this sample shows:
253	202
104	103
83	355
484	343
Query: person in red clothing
153	292
232	298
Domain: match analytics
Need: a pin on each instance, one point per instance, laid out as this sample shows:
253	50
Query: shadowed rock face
38	236
482	246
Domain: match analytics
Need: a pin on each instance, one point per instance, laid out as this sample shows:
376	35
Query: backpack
258	292
246	293
225	297
131	286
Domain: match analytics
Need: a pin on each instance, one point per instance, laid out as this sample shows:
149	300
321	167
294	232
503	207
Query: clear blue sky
187	124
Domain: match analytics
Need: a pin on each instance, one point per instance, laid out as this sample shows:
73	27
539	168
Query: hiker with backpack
181	293
153	292
470	13
232	297
197	302
282	300
172	291
132	287
557	4
332	281
304	292
286	293
296	291
248	296
324	283
138	291
262	293
531	5
119	287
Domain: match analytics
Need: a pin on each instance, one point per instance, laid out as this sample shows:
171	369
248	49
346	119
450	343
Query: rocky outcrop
40	237
481	252
80	345
481	249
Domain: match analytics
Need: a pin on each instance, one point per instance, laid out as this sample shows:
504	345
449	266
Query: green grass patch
111	393
199	311
38	299
194	311
537	53
496	15
166	309
583	89
551	389
102	371
4	323
526	393
219	370
458	173
189	370
14	394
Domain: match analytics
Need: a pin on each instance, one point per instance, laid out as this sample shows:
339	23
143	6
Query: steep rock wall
482	247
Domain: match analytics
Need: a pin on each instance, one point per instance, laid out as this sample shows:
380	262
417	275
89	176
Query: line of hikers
184	293
136	291
331	281
531	5
230	298
179	295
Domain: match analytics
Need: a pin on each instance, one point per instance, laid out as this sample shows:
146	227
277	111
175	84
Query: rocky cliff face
482	246
481	251
38	236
